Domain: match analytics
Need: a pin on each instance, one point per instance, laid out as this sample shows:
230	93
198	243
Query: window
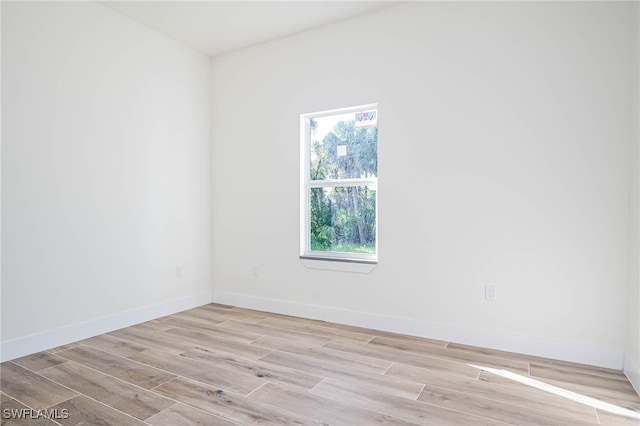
339	184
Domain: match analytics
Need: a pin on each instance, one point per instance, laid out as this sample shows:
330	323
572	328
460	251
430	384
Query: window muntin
339	184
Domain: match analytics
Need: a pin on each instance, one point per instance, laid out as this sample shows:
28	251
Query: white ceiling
215	27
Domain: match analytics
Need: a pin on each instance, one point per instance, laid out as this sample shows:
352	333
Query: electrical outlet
179	271
490	293
255	270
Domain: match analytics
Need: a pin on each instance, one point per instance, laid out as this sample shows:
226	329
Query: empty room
320	213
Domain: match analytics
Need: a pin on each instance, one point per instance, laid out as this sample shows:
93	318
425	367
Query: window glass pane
344	146
343	219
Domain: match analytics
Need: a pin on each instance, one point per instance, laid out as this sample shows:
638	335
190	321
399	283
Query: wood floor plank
157	326
324	410
114	345
264	330
271	372
314	328
193	316
194	324
196	315
184	415
230	406
39	361
154	326
139	403
394	386
562	375
508	413
247	316
346	359
221	306
418	346
63	347
87	412
31	388
289	318
402	408
163	341
444	353
428	362
133	372
569	366
609	419
214	332
380	333
525	397
626	400
232	346
15	413
242	384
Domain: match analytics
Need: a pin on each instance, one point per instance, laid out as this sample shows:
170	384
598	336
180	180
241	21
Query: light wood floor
221	365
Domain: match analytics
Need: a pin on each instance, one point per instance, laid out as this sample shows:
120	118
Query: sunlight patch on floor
573	396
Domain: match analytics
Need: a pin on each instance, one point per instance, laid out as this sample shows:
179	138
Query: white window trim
350	262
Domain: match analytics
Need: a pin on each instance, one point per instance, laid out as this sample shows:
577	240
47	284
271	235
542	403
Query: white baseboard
548	348
33	343
632	371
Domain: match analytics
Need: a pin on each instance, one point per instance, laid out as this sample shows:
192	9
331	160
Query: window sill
343	265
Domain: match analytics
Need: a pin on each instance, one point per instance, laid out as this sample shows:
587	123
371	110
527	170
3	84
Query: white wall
632	358
504	159
106	179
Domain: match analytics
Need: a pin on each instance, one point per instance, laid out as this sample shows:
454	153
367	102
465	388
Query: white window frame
306	183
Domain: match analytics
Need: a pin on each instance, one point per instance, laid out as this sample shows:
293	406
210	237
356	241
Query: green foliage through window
342	184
